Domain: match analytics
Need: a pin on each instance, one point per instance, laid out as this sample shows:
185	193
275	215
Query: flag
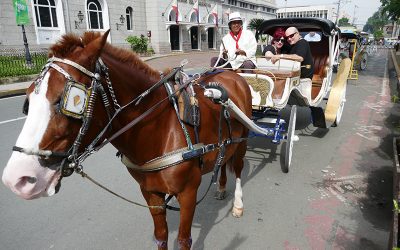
175	8
214	12
196	10
21	11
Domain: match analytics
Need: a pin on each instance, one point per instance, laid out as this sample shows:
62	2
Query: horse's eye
25	107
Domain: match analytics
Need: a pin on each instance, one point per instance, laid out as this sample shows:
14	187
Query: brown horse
31	174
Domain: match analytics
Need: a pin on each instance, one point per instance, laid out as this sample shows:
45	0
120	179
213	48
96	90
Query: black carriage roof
302	24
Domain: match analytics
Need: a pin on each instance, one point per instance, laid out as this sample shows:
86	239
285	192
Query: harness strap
172	158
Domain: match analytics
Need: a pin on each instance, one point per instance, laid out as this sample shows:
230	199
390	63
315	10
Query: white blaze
23	174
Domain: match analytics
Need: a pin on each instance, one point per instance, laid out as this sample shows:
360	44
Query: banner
21	11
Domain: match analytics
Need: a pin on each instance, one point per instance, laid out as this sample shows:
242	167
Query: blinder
74	100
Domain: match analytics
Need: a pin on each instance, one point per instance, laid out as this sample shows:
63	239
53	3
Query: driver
238	47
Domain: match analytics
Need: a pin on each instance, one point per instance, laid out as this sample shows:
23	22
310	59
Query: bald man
300	50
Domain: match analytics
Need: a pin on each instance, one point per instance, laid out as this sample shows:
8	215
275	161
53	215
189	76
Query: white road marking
12	97
12	120
385	80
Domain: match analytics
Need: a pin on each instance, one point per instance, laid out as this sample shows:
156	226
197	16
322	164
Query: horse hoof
220	195
237	212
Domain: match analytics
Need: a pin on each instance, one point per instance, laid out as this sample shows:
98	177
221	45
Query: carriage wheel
289	140
364	61
340	109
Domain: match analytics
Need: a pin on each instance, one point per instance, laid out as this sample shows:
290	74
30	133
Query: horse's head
58	108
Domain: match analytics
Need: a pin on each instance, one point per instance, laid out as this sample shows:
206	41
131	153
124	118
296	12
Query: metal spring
111	89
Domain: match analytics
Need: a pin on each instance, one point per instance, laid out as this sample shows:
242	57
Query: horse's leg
237	210
187	202
159	218
220	194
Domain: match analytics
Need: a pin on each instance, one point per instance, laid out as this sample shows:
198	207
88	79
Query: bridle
75	91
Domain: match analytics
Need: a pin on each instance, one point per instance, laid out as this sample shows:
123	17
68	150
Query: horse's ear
95	47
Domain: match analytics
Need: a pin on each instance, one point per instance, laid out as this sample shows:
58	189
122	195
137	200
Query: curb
14	92
397	68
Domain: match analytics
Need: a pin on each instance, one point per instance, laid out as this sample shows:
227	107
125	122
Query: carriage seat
321	63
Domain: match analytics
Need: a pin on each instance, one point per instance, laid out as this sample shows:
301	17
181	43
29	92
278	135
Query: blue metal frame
276	132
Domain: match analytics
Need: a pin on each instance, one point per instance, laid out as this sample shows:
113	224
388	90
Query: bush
138	44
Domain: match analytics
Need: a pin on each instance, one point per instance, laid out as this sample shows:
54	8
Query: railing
14	64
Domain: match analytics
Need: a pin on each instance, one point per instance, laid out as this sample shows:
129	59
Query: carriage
276	86
356	51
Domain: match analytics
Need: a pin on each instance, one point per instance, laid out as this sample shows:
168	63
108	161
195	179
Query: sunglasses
282	40
291	36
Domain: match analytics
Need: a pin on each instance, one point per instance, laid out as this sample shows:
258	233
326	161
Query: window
243	5
232	2
45	13
95	15
129	19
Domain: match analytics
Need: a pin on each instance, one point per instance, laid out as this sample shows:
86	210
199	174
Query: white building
321	11
167	29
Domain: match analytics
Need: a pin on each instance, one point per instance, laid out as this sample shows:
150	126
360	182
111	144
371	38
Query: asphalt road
336	196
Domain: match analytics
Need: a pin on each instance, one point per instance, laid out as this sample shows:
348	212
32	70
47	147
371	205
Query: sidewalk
19	88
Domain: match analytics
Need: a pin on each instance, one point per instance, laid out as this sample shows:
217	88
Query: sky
366	8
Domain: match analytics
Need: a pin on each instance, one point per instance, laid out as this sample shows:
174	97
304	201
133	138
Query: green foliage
377	21
378	34
392	8
255	23
344	21
15	65
138	44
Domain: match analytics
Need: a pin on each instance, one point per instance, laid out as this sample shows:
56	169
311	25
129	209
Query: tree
255	23
392	7
376	21
344	21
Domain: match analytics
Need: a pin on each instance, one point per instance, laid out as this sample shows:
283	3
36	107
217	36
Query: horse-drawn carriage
91	93
353	47
275	86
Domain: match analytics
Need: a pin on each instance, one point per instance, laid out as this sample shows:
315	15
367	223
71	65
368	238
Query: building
321	11
177	25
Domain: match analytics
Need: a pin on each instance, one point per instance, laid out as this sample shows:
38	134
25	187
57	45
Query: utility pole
339	2
354	15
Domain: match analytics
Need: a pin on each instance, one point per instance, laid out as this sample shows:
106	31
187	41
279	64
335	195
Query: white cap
235	16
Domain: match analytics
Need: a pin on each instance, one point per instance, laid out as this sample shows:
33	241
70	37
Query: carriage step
270	120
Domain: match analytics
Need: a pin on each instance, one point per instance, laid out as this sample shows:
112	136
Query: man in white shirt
238	47
312	37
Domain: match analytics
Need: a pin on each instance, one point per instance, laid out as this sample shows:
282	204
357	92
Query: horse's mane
69	42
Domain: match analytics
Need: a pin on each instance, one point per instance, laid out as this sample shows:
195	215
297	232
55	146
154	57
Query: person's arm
293	57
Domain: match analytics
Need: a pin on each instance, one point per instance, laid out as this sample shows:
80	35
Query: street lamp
80	18
122	20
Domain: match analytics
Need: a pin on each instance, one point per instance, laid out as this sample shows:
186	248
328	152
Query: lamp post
27	53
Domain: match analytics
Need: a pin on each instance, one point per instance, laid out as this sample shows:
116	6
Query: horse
48	142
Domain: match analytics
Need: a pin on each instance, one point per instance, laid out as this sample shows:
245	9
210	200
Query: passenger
278	44
300	50
344	48
238	47
312	37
